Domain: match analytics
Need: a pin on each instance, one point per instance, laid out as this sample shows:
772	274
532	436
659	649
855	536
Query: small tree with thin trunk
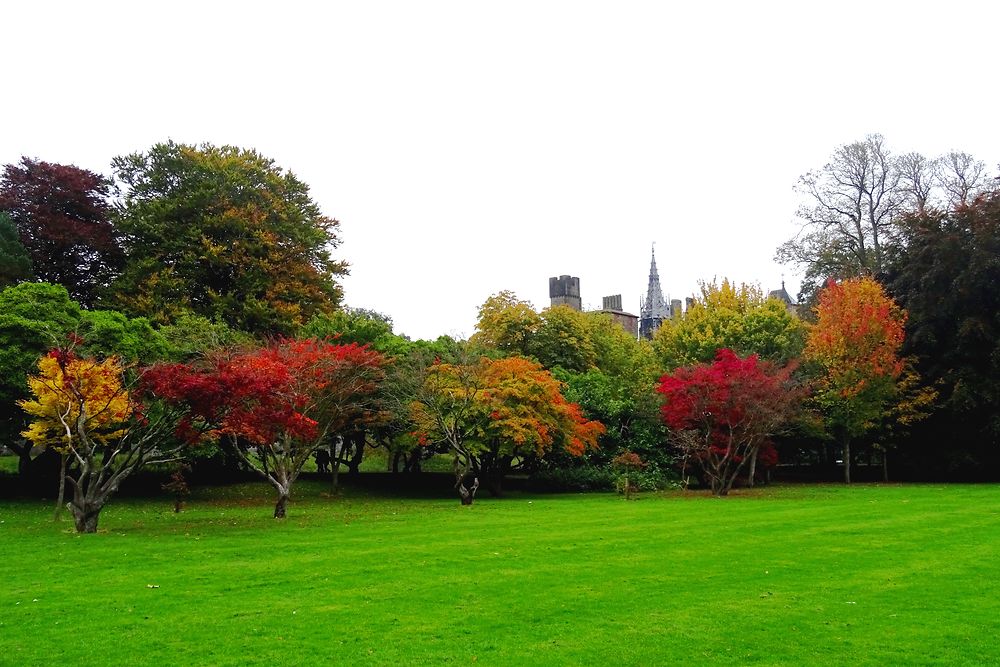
855	345
496	415
720	414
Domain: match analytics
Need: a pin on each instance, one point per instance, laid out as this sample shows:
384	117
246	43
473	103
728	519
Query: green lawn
798	575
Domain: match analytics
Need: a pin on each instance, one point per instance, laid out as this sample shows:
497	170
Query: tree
618	353
853	204
84	408
946	276
961	176
353	325
855	345
722	413
495	415
563	340
507	324
193	336
15	264
224	233
62	216
741	318
274	405
34	317
917	177
105	332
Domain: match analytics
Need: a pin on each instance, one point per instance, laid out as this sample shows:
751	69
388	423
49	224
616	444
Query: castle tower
565	291
653	309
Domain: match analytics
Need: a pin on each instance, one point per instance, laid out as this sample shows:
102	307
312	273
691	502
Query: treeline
186	312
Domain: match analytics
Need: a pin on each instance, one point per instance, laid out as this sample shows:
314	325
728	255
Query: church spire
653	309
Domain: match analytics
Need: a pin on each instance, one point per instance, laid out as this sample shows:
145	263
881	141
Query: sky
471	147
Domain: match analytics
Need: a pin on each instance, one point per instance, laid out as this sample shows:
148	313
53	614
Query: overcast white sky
470	147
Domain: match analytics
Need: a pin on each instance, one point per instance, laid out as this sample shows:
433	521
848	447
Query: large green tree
225	233
15	264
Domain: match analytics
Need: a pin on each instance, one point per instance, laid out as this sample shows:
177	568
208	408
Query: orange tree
495	415
854	345
84	408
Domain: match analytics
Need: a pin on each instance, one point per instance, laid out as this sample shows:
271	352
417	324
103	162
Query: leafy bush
576	478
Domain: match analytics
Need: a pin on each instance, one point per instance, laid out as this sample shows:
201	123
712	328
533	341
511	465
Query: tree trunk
23	463
86	517
885	465
338	450
357	455
281	506
468	494
753	468
60	498
847	459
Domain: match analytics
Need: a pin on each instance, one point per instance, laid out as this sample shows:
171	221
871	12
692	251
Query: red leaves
730	391
292	388
722	412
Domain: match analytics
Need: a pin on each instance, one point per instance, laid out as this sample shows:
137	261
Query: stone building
565	291
783	296
612	305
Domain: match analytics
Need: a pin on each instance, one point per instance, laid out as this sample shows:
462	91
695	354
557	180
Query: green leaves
226	234
739	318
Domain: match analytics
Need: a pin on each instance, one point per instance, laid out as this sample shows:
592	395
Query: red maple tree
722	413
274	405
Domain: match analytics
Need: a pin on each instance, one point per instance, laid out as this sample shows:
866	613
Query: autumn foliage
722	413
274	405
85	409
855	344
62	217
495	414
104	405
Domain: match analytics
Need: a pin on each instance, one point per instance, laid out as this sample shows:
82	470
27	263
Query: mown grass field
792	575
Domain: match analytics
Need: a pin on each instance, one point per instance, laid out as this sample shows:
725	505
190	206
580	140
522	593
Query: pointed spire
653	310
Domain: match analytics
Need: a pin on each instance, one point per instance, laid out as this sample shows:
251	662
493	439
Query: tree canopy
224	233
15	263
946	276
61	213
726	316
855	345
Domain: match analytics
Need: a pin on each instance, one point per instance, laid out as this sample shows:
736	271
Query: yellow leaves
62	391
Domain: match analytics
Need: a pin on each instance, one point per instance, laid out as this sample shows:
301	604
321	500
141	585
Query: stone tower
653	309
565	291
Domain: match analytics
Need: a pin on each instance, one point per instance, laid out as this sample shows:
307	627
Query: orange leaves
855	342
511	403
857	326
